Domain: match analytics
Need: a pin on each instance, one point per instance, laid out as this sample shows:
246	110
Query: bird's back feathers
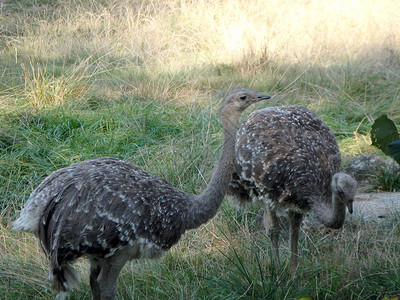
287	153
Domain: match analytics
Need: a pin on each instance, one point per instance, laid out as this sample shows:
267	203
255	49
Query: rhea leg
273	228
294	226
95	269
107	278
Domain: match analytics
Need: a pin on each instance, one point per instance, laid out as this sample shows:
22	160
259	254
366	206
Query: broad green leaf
394	150
383	132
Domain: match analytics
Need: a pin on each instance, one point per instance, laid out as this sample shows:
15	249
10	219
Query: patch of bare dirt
375	206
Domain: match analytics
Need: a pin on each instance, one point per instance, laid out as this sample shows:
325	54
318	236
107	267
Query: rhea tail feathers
64	278
25	223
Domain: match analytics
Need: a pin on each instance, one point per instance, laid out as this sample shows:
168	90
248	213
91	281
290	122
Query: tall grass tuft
44	87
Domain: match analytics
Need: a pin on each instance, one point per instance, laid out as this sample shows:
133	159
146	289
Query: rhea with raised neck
111	211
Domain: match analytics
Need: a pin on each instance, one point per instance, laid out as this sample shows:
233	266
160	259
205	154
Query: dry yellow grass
175	40
174	34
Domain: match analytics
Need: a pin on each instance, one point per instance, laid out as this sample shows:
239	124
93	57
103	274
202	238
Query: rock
367	167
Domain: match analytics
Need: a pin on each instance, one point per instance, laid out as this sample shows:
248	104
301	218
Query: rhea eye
243	97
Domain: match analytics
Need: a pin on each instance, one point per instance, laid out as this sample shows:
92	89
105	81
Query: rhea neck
332	214
204	206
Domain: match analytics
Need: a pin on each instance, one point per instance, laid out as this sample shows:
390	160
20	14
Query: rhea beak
262	97
349	205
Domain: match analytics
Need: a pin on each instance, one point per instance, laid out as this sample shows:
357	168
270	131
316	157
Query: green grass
231	259
142	81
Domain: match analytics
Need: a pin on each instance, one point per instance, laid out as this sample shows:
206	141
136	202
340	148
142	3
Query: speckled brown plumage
110	211
286	157
113	203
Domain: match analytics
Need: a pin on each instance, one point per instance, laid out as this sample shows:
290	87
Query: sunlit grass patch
43	90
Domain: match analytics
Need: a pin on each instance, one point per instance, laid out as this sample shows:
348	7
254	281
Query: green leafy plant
388	180
384	136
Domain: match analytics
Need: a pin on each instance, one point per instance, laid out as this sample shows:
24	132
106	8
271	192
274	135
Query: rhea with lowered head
288	159
111	211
